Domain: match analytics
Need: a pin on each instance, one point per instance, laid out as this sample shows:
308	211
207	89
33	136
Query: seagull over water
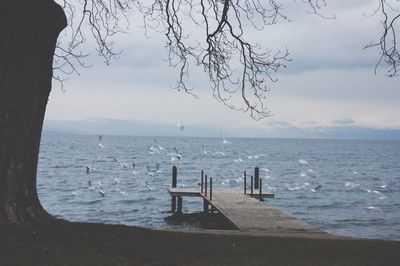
225	141
158	145
101	146
316	188
176	155
303	161
204	149
180	126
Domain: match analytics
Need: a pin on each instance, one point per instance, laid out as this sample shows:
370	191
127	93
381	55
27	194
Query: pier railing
206	190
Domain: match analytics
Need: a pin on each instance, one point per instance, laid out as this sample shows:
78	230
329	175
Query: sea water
346	187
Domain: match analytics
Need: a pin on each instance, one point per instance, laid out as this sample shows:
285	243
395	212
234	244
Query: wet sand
65	243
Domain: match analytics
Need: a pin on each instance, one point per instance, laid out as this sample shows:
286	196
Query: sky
330	81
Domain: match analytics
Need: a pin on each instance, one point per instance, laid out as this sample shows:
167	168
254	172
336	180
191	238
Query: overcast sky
330	82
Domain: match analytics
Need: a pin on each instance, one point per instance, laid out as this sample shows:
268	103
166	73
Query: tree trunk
28	35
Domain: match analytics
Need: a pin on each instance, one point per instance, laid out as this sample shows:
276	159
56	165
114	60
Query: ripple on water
339	206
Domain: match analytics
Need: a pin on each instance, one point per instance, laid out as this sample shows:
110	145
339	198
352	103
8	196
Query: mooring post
205	206
201	183
205	186
260	197
174	180
256	177
210	188
251	186
244	183
179	205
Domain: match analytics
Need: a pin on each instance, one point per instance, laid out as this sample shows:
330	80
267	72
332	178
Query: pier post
245	183
202	180
251	186
210	188
205	206
205	186
205	203
173	184
179	211
256	177
260	195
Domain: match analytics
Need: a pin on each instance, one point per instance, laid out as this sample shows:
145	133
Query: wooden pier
245	209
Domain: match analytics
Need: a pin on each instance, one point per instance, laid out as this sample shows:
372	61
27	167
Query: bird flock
153	175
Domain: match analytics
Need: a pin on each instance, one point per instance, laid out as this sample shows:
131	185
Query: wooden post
210	188
179	205
174	175
251	186
244	183
173	184
205	206
202	179
260	197
205	186
256	177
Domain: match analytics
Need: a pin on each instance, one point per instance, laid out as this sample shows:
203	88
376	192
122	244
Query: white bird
316	188
204	149
373	208
101	147
225	141
149	187
384	185
180	126
176	155
158	145
303	161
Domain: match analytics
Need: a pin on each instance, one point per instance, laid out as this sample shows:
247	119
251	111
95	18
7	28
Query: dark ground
65	243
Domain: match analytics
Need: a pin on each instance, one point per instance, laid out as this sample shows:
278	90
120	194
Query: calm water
341	186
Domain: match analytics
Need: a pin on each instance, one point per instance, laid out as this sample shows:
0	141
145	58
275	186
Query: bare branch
209	34
388	42
234	66
98	20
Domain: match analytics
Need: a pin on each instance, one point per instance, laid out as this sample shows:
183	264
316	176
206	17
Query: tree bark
28	35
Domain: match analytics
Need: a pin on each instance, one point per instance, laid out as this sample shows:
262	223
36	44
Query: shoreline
72	243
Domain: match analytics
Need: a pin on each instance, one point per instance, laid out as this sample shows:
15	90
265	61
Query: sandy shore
65	243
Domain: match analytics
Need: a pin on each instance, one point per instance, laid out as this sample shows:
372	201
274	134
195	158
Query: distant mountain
132	128
337	132
274	130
